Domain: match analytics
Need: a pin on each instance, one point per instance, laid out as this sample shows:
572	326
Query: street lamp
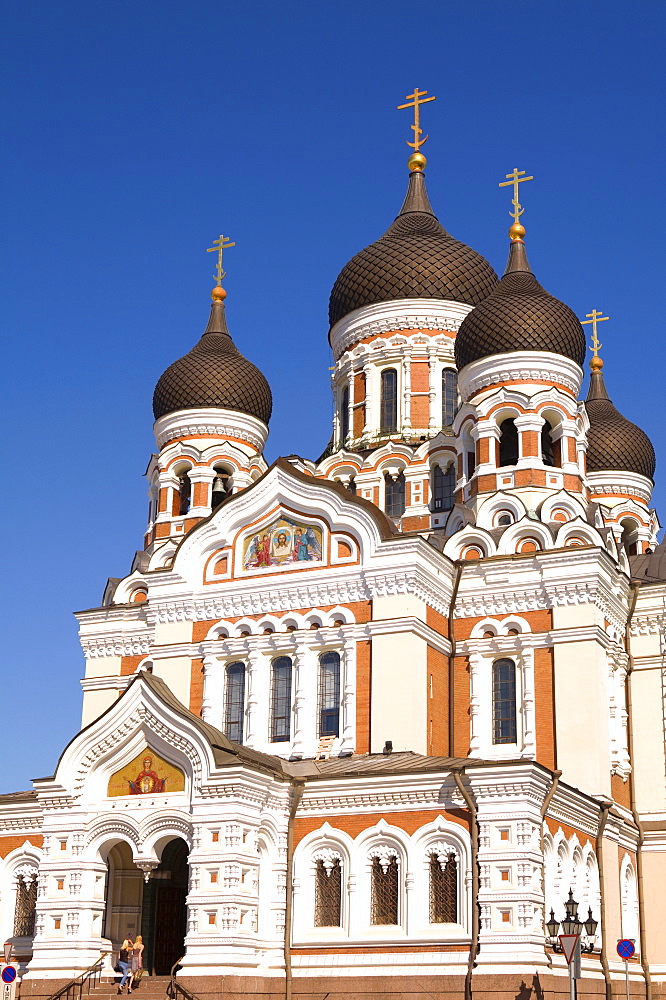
572	925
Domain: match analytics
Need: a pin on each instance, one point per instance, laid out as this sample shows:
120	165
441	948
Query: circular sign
625	948
8	974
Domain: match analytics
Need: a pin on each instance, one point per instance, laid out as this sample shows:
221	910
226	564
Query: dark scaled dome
214	374
613	442
415	259
519	315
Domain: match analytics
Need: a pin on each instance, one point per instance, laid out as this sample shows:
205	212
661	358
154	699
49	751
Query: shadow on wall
533	992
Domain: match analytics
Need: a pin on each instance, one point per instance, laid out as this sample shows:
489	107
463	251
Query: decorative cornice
211	422
523	366
117	645
401	314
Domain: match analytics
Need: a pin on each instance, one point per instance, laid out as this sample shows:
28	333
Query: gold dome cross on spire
219	246
417	160
595	317
516	177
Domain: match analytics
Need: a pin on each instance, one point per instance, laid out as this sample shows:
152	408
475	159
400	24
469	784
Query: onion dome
214	374
519	315
415	259
613	442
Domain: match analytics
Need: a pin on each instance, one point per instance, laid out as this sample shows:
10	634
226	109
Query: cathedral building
364	724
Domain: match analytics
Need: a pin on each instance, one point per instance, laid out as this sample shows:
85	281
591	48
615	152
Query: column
434	419
201	479
529	732
254	659
348	741
406	421
367	371
475	704
213	690
300	666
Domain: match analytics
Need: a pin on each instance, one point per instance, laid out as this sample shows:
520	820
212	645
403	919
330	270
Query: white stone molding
399	314
620	484
208	421
253	661
348	666
300	660
523	367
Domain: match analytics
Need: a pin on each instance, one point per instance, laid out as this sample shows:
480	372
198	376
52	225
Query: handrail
74	989
174	988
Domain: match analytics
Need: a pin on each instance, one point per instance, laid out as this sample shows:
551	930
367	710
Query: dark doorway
164	917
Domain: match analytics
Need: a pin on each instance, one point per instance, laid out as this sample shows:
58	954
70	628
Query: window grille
328	893
508	442
388	419
394	489
24	913
443	488
449	396
443	889
329	694
234	702
281	699
385	891
344	415
504	701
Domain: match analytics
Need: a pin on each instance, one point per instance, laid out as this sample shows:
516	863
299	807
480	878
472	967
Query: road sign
8	974
568	943
626	948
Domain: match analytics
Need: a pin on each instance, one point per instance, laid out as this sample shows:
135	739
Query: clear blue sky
134	133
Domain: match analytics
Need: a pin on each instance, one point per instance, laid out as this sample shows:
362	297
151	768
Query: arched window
449	396
26	901
504	701
184	493
328	893
234	708
385	890
351	486
443	488
443	888
551	451
280	699
394	491
221	486
508	442
344	415
388	419
329	694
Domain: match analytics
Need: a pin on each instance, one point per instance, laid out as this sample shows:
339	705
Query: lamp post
572	927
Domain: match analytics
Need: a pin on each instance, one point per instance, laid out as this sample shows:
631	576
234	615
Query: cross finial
595	317
415	101
516	177
220	245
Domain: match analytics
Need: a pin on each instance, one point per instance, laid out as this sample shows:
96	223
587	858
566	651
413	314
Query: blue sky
134	133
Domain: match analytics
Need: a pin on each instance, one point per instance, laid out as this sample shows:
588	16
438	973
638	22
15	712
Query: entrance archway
164	910
156	909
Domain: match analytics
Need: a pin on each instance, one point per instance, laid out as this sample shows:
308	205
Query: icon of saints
147	780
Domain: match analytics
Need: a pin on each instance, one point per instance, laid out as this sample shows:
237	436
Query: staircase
150	988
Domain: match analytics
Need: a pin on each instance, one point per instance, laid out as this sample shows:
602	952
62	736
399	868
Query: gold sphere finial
218	294
596	364
516	231
417	161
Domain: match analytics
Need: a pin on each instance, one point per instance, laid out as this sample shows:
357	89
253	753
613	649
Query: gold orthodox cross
415	101
516	177
220	245
594	318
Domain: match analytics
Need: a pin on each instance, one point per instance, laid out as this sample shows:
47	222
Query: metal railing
176	989
83	984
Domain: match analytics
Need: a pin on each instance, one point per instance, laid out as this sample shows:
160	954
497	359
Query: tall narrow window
26	900
443	488
504	701
344	415
184	493
280	699
328	893
443	889
394	488
389	401
547	456
351	486
471	463
329	694
508	442
221	488
449	396
234	709
385	890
